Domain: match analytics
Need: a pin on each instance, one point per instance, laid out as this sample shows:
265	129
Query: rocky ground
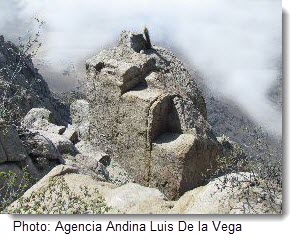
139	143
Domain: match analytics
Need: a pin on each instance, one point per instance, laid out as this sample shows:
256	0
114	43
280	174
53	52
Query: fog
235	44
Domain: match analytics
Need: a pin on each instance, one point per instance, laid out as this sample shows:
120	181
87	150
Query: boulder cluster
39	145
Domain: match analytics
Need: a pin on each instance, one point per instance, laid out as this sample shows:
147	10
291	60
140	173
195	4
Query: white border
255	228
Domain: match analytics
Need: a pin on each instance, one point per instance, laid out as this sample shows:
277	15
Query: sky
235	44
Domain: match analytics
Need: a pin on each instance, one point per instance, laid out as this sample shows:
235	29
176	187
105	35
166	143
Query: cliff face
148	113
23	88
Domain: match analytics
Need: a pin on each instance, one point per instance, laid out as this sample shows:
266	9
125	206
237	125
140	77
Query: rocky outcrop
23	88
74	185
140	144
176	165
147	112
38	145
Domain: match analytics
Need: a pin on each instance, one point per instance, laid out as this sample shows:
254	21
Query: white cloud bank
236	44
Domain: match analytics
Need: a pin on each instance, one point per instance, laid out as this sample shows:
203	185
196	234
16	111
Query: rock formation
139	144
148	113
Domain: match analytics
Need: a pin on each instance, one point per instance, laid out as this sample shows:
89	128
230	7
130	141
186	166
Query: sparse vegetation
58	198
26	49
19	62
262	184
249	193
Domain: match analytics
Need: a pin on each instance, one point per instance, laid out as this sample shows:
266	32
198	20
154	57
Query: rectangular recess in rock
158	117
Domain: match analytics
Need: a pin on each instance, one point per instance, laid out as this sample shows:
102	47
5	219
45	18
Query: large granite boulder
147	112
